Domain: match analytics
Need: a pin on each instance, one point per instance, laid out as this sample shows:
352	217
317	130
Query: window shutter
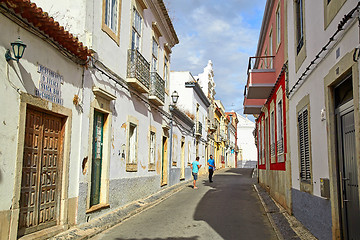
304	145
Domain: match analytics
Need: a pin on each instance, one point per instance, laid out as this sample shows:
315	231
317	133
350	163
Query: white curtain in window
111	14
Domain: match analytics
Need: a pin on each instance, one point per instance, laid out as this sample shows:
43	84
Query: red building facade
265	98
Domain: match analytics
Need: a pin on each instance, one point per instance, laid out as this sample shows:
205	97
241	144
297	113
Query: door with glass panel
97	154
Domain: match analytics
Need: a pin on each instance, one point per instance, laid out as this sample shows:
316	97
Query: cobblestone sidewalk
286	226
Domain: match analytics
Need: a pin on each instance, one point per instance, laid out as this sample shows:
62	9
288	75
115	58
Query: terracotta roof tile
41	20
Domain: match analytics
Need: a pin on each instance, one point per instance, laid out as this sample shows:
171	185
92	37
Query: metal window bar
280	146
272	149
199	128
263	156
138	67
157	86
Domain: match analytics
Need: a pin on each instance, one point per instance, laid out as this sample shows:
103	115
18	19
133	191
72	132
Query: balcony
157	89
261	77
198	131
138	71
253	106
212	127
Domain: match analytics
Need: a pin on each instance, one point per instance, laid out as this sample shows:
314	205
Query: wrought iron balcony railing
157	87
260	62
138	68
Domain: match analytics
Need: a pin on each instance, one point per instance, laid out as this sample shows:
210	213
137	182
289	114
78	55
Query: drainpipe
230	115
171	139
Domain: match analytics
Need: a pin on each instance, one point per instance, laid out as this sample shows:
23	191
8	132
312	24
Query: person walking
211	164
195	166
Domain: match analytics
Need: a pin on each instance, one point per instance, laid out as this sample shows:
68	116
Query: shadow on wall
232	208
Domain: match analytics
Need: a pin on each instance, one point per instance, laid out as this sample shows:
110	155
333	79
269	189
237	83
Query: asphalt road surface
227	208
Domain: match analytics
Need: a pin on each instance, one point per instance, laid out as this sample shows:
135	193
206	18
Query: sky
225	32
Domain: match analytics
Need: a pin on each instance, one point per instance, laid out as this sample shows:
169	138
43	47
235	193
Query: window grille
132	144
280	146
152	148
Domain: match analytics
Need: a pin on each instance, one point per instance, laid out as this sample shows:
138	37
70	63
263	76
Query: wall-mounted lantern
174	97
18	48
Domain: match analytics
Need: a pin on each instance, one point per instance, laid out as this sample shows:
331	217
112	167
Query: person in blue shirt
195	166
211	164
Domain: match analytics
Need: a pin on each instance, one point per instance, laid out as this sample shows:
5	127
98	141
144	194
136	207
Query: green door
96	158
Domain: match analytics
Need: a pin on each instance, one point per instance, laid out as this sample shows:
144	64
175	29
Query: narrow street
228	208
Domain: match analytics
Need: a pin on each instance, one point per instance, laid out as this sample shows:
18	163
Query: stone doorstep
45	233
285	225
98	225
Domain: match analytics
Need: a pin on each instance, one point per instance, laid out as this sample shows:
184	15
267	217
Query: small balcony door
97	156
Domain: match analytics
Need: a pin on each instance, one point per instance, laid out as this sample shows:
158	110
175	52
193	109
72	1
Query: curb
98	225
285	225
277	232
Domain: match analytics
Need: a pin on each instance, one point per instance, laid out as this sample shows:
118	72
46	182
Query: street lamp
174	97
18	48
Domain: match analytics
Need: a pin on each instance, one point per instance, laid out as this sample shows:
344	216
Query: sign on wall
49	85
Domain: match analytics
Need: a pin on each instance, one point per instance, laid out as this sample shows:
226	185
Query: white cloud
225	32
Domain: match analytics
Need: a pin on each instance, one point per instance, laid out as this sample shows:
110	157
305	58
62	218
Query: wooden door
40	185
182	160
164	162
97	158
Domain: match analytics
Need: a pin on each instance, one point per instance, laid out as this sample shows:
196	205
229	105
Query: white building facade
41	124
193	102
111	111
246	142
324	119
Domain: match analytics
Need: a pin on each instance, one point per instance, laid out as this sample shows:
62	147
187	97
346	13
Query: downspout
229	153
171	140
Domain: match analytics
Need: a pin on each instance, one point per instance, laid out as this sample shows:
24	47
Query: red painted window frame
280	166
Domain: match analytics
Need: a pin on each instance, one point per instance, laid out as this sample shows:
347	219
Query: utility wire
340	28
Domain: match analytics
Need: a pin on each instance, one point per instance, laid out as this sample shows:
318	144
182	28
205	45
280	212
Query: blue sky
225	32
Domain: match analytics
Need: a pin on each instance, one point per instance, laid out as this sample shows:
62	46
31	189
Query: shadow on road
170	238
232	207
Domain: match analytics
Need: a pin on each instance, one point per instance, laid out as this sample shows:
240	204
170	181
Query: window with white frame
152	148
279	118
132	158
304	145
278	26
259	145
189	152
266	136
111	14
166	71
299	14
154	61
270	48
136	30
266	59
272	133
263	141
